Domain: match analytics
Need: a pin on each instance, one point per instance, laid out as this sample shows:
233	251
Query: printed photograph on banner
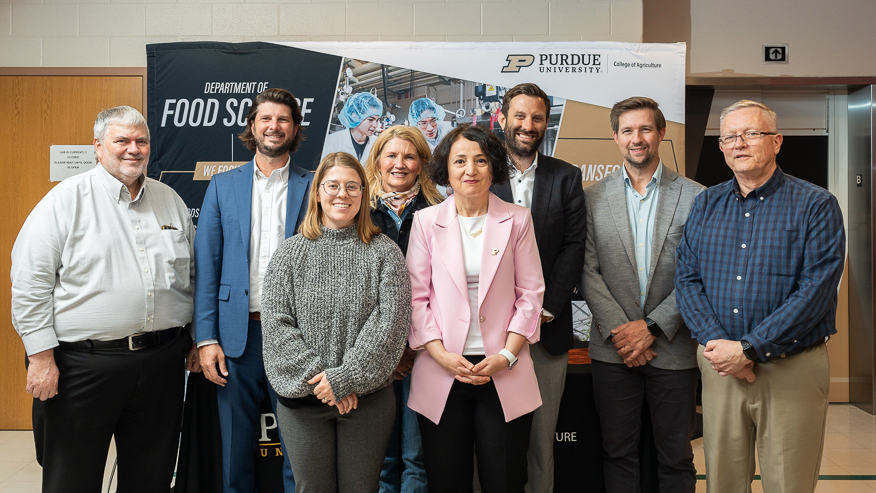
371	97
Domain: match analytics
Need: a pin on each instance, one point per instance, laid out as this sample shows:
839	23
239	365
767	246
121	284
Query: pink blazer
510	294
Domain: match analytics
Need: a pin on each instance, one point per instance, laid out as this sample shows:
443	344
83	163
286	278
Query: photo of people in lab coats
371	97
428	116
360	117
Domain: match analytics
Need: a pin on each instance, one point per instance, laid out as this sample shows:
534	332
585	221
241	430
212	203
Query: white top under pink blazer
510	294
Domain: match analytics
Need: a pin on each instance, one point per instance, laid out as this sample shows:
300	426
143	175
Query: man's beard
519	149
273	151
646	160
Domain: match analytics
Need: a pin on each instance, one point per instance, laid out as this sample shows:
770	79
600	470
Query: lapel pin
494	251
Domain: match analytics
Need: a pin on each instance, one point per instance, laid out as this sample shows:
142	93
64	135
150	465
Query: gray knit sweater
335	304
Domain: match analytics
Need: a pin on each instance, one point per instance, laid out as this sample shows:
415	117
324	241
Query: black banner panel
199	95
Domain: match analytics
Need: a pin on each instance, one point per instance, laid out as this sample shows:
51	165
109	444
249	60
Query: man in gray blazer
640	348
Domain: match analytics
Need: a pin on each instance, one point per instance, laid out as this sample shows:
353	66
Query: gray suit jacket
609	282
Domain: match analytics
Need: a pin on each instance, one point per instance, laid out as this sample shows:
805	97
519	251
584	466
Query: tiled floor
849	457
19	471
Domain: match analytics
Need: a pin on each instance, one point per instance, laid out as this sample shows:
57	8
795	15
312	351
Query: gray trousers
551	373
331	453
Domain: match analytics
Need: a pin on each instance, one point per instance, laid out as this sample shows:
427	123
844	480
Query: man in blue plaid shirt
756	282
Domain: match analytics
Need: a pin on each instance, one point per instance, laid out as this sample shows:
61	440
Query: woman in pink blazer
477	291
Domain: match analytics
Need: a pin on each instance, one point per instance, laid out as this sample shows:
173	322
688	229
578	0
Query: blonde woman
335	311
400	186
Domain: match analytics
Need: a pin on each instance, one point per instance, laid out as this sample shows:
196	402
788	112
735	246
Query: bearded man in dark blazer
552	190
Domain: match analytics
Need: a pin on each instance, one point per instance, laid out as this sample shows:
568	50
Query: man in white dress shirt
551	189
101	289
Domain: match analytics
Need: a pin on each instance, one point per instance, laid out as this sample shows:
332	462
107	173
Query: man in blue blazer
246	214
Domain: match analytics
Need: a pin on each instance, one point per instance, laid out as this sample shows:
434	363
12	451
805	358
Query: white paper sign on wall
70	160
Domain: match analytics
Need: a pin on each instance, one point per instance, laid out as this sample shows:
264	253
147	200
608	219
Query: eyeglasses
332	187
431	122
746	137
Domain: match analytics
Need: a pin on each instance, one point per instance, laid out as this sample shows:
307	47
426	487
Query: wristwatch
512	360
653	328
749	350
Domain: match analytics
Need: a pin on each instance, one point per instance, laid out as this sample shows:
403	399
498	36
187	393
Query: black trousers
473	421
136	396
620	392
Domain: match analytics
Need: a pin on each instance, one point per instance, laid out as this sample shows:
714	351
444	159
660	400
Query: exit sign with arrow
775	54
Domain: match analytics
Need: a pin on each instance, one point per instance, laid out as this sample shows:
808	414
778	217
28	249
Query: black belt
800	349
132	342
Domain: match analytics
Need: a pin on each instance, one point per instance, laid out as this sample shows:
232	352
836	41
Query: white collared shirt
91	263
267	226
522	183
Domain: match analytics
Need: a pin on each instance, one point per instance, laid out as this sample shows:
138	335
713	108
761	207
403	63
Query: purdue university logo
516	62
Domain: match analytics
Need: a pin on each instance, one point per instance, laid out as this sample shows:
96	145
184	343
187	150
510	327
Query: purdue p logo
516	62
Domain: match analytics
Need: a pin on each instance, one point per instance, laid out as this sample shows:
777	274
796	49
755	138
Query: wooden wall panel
35	113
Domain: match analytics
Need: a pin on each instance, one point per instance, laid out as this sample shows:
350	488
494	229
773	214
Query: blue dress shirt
762	268
642	209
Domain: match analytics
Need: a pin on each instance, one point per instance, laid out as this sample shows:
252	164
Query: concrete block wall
114	33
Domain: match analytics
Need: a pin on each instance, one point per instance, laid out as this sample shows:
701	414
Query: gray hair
120	115
747	103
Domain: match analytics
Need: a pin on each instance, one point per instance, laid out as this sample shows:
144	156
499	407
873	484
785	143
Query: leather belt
801	349
255	316
132	342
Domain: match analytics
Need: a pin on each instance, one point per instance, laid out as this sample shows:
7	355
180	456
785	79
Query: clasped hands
633	343
727	358
466	372
323	392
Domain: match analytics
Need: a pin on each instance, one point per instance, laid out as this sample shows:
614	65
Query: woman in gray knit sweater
336	309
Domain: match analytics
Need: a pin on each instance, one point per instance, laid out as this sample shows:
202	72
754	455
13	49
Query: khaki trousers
783	412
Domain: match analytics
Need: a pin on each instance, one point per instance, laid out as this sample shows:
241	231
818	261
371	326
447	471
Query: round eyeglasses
332	187
429	122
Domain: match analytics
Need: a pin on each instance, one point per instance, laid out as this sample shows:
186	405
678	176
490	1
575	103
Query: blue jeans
403	470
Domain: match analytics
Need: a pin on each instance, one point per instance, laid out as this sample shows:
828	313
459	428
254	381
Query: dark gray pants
331	453
671	395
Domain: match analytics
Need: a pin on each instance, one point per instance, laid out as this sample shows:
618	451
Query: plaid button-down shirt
762	268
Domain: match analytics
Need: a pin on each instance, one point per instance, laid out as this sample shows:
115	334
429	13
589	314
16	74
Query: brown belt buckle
131	341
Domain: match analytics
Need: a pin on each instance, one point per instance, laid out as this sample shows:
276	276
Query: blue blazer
222	253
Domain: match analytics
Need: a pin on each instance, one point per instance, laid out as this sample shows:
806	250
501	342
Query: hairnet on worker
359	107
424	105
